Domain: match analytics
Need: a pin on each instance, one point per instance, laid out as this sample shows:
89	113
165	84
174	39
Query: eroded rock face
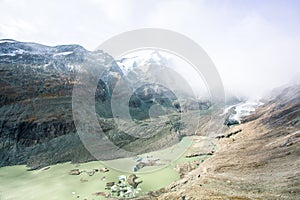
36	123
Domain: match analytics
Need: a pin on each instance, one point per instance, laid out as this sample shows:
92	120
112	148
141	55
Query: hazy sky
254	44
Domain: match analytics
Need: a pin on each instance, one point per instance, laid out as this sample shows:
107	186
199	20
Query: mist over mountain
96	102
143	103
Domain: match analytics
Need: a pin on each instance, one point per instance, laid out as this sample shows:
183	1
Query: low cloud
254	45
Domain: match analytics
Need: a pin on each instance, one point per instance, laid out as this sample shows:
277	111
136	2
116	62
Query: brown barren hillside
258	159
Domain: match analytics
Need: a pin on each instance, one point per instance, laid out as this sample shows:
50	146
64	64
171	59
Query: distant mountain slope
36	121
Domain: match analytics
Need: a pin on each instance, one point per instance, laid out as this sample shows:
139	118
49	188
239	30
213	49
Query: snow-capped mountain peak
142	59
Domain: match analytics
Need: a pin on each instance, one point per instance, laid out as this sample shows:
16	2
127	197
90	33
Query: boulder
104	169
132	180
74	172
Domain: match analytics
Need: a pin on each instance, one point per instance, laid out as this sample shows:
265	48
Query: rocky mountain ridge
36	122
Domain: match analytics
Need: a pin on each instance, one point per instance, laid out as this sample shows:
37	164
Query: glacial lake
16	182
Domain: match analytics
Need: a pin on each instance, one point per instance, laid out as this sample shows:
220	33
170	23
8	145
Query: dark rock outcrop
229	119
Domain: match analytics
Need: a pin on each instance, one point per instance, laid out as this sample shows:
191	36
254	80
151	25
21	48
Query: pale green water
55	183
